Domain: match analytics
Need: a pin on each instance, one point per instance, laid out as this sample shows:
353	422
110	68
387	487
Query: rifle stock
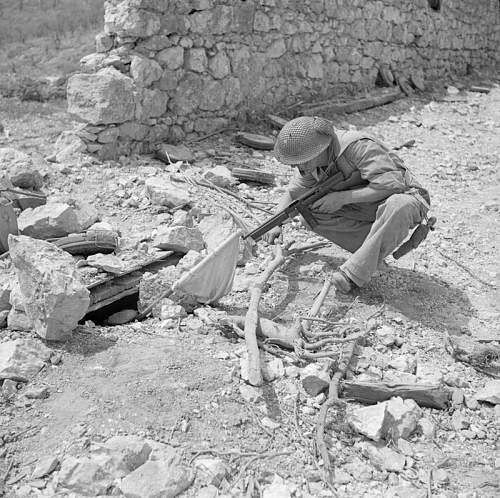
301	205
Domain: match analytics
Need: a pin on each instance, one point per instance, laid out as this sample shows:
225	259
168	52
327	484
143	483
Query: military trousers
370	231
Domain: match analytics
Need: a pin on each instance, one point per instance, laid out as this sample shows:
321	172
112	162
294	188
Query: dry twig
252	319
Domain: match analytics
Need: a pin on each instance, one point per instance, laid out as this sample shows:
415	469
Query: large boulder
54	297
102	98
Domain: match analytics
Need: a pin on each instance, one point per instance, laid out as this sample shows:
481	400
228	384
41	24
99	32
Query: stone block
145	71
172	57
54	297
219	65
128	22
151	104
196	60
103	42
102	98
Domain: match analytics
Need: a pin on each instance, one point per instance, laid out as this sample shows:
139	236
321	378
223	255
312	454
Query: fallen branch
466	269
333	399
318	302
216	132
252	320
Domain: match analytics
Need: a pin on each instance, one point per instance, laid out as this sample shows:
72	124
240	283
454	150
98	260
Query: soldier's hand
273	235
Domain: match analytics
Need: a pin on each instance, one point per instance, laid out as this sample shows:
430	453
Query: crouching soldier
374	216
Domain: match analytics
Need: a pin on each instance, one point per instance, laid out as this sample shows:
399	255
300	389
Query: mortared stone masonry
165	70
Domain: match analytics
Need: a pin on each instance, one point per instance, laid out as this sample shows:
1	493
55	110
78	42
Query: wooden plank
354	105
431	396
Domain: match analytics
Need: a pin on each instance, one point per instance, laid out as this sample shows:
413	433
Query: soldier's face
316	162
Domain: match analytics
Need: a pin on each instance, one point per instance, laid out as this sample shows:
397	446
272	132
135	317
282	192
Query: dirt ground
142	379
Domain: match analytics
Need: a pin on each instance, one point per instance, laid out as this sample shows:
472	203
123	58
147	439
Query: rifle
301	205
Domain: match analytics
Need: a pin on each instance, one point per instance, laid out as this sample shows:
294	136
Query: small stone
387	335
45	466
440	476
273	369
490	393
251	394
171	311
370	421
212	470
403	364
121	317
405	415
457	397
9	388
342	477
219	176
37	393
179	238
428	373
270	424
106	262
458	421
384	458
277	489
471	403
427	428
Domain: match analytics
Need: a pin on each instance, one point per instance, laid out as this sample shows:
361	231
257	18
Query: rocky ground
114	407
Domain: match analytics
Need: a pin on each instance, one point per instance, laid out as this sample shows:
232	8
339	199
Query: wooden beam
431	396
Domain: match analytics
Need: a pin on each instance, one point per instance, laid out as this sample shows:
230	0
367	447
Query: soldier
372	218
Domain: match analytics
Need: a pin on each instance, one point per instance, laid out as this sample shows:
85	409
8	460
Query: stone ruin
168	70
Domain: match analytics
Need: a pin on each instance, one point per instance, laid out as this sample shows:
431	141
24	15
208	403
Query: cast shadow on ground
85	341
421	297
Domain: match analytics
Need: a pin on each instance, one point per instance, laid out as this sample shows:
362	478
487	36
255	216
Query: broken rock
404	415
22	359
172	153
106	262
45	466
212	470
20	167
49	221
219	176
490	393
155	479
384	458
179	239
371	421
54	297
83	475
162	192
19	320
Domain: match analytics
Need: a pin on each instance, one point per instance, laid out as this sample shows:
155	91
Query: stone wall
165	70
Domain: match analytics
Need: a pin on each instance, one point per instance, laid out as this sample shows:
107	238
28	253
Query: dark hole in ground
125	303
